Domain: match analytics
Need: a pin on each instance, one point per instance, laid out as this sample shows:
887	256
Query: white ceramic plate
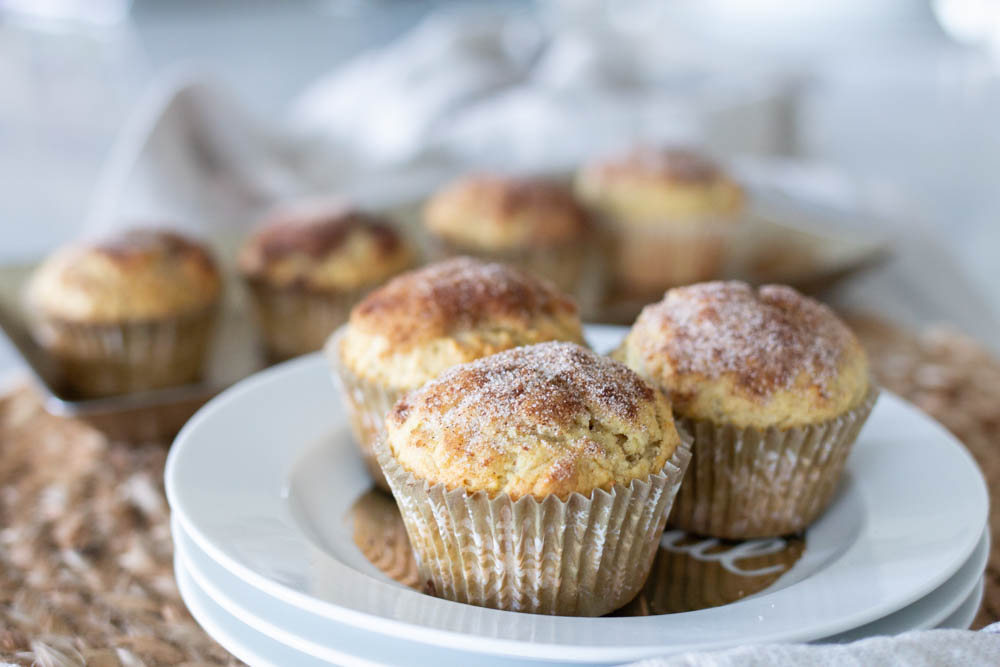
962	618
318	637
262	478
258	649
312	634
934	609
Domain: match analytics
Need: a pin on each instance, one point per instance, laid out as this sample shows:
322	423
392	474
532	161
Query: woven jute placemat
85	552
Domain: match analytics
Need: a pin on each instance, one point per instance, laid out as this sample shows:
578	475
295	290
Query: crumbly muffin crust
553	418
324	247
422	322
649	185
491	212
139	274
728	353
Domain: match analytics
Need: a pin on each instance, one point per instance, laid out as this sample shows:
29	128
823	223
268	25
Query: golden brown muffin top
137	274
324	246
670	164
547	419
491	212
726	352
424	321
648	185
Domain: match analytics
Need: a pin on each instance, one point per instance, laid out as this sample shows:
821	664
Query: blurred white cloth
928	648
473	87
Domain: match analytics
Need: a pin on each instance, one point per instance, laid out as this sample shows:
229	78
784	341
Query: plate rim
511	646
957	598
207	621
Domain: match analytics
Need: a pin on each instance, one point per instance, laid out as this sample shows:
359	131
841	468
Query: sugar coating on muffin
491	212
324	246
425	321
138	274
547	419
647	185
768	357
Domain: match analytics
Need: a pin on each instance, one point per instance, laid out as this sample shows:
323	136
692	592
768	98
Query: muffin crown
457	295
553	418
320	246
135	275
422	322
492	212
727	352
648	185
669	165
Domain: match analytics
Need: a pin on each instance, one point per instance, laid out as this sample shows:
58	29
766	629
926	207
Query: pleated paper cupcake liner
575	268
583	556
95	360
649	264
367	405
295	320
750	482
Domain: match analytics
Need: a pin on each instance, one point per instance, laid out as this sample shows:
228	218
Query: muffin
773	387
531	223
307	265
126	313
426	321
536	480
669	211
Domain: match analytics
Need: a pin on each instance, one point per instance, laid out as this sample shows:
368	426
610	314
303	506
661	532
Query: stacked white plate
262	479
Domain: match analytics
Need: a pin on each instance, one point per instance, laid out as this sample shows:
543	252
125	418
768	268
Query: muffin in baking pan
425	321
670	211
530	222
130	312
308	264
774	388
537	479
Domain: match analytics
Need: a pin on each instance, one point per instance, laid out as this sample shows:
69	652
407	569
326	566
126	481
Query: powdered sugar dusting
545	389
673	163
455	295
765	338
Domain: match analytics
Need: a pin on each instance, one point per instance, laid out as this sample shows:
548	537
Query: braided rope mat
85	551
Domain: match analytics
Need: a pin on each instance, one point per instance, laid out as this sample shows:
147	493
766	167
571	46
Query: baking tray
782	240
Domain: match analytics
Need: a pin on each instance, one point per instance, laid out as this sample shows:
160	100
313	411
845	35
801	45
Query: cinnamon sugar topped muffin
665	185
308	264
537	479
425	321
496	212
420	324
553	418
670	213
135	275
131	312
324	247
725	351
773	387
528	222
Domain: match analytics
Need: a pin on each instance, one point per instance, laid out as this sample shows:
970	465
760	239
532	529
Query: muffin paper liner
750	482
575	268
583	556
105	359
648	262
367	405
296	320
